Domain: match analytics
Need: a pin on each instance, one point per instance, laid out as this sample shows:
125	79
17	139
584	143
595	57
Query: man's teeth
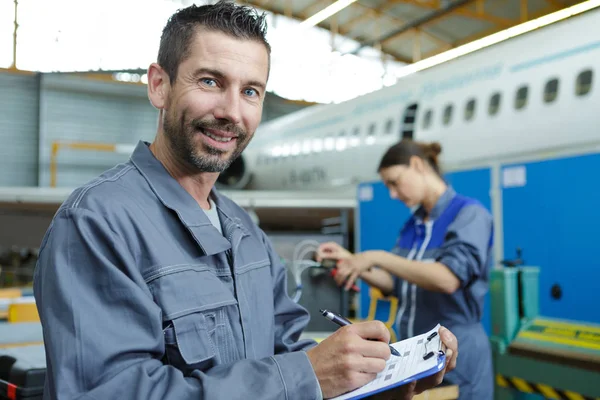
217	138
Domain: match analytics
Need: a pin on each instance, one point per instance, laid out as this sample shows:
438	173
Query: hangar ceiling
412	30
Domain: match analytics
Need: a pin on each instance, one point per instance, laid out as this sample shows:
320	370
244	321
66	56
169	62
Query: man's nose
229	107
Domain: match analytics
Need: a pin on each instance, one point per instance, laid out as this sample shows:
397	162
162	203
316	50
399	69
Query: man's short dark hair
238	21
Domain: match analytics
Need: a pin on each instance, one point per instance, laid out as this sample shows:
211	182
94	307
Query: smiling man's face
215	105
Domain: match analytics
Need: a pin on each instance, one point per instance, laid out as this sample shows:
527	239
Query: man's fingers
451	344
448	338
371	365
373	349
372	330
450	360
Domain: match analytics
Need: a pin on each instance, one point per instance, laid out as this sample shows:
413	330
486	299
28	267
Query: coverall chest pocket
196	306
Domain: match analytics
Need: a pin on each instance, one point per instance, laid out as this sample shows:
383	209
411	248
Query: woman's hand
332	250
350	268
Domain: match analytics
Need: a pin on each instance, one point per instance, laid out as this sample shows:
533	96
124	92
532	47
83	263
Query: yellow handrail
57	145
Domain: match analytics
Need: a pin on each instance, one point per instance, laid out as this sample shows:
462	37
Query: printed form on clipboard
421	356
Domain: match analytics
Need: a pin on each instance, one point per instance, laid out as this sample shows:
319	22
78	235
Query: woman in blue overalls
440	265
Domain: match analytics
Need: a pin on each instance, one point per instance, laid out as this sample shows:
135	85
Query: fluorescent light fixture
498	37
326	13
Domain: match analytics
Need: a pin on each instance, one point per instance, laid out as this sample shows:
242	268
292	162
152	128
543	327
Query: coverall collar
439	207
175	197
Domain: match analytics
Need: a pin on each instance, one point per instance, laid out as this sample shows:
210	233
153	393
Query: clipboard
420	367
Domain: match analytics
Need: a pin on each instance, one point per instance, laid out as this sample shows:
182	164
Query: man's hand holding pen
349	359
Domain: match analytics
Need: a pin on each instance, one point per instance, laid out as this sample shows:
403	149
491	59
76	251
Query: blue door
380	219
554	216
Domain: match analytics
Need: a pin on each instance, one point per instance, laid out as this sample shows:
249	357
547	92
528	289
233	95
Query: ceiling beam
478	14
427	18
306	9
344	30
267	7
555	4
487	32
397	56
347	27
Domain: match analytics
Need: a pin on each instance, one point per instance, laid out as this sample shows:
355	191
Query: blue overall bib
458	234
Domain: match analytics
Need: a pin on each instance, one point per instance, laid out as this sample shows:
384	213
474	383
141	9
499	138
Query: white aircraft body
531	96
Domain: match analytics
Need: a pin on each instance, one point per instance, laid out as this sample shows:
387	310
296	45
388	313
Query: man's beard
207	159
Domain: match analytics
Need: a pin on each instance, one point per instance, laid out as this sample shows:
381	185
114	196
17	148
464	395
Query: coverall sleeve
466	246
103	332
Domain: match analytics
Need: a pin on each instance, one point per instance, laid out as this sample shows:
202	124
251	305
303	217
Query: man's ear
158	86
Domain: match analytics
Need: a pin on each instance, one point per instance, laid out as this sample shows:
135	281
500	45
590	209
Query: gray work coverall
458	234
140	297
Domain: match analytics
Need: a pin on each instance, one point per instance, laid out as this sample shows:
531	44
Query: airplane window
340	144
448	114
470	110
584	83
329	143
306	147
388	126
551	90
355	140
427	119
521	97
370	135
295	150
494	104
372	129
317	145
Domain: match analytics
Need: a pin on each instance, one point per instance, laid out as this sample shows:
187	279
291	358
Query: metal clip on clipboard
429	354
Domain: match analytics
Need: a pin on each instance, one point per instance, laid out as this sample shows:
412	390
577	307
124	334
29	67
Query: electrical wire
298	264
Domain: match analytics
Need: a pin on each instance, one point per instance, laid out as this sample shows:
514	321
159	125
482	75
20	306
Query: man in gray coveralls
153	285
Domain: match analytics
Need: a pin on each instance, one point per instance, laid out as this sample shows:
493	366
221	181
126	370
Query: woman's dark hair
401	152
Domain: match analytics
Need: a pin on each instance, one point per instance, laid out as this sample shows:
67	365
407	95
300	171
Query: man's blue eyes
211	82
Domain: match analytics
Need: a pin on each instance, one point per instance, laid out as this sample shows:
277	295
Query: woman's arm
430	276
462	257
380	279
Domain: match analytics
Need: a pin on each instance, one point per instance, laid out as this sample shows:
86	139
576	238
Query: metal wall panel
552	214
19	129
84	110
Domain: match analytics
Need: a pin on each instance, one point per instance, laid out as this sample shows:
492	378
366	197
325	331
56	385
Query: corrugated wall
19	109
79	109
39	109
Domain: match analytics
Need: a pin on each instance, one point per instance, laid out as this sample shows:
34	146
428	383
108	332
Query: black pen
341	321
